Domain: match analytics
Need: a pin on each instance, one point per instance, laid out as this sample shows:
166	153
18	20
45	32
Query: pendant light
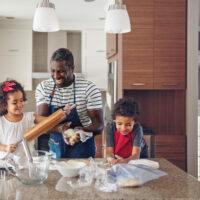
45	19
117	18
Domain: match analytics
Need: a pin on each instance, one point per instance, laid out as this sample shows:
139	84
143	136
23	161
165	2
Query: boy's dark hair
6	88
63	54
126	107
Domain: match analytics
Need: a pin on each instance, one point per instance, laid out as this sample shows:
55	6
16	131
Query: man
63	88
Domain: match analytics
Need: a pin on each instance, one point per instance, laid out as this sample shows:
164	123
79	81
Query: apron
56	143
123	144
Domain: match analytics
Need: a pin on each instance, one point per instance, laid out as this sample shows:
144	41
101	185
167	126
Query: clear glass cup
35	172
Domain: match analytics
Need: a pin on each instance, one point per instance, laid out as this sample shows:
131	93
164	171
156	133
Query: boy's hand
110	161
117	159
10	148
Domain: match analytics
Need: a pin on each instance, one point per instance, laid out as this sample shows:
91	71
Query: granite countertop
176	185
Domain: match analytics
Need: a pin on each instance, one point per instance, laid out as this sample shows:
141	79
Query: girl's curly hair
6	88
126	107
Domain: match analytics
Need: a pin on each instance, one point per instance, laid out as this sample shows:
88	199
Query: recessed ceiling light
89	0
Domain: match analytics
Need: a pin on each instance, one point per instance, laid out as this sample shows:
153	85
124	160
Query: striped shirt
88	96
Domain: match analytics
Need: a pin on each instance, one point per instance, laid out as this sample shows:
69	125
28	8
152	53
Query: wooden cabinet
154	52
173	148
137	46
99	146
111	45
152	60
16	56
170	44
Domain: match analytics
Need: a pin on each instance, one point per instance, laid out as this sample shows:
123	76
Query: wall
192	86
74	44
30	104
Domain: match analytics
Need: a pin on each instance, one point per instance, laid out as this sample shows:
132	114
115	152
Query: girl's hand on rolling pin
10	148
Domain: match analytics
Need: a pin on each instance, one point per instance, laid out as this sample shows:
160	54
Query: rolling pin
46	124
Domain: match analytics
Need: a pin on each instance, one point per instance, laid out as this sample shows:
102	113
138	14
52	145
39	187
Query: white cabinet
15	41
95	58
16	56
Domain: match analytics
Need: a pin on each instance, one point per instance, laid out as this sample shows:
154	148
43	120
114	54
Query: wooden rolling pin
45	125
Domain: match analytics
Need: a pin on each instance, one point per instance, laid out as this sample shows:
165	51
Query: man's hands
64	127
70	137
68	108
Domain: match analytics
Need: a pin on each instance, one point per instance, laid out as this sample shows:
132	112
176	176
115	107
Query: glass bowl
35	172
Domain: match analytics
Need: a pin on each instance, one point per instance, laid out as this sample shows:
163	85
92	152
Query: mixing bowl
69	169
35	172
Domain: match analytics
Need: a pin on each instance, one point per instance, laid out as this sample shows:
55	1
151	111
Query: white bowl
69	169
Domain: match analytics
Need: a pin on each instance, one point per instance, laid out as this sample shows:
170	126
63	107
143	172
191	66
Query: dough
126	182
71	136
79	160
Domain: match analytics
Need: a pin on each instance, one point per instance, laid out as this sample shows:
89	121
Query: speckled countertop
176	185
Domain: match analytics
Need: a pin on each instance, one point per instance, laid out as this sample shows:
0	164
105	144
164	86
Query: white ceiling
67	10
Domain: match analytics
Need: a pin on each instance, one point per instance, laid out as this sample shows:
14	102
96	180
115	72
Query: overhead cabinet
138	46
170	44
154	51
16	56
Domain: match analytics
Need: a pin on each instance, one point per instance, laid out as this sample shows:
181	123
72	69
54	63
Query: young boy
125	135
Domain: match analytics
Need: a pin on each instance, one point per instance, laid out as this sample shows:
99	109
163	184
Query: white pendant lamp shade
117	19
45	19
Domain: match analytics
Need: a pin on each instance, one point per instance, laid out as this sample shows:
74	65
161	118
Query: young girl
125	135
13	122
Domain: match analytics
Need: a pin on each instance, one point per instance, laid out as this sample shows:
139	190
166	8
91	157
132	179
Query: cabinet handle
100	51
138	84
13	50
169	84
161	145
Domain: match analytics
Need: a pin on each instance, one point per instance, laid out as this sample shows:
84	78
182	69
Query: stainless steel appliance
111	94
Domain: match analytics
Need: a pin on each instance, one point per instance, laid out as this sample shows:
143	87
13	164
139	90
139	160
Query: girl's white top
12	132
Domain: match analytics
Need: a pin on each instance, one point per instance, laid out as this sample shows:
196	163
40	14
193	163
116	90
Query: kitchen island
176	185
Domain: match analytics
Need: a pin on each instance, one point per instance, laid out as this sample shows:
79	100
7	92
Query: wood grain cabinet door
137	46
169	44
154	52
173	148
